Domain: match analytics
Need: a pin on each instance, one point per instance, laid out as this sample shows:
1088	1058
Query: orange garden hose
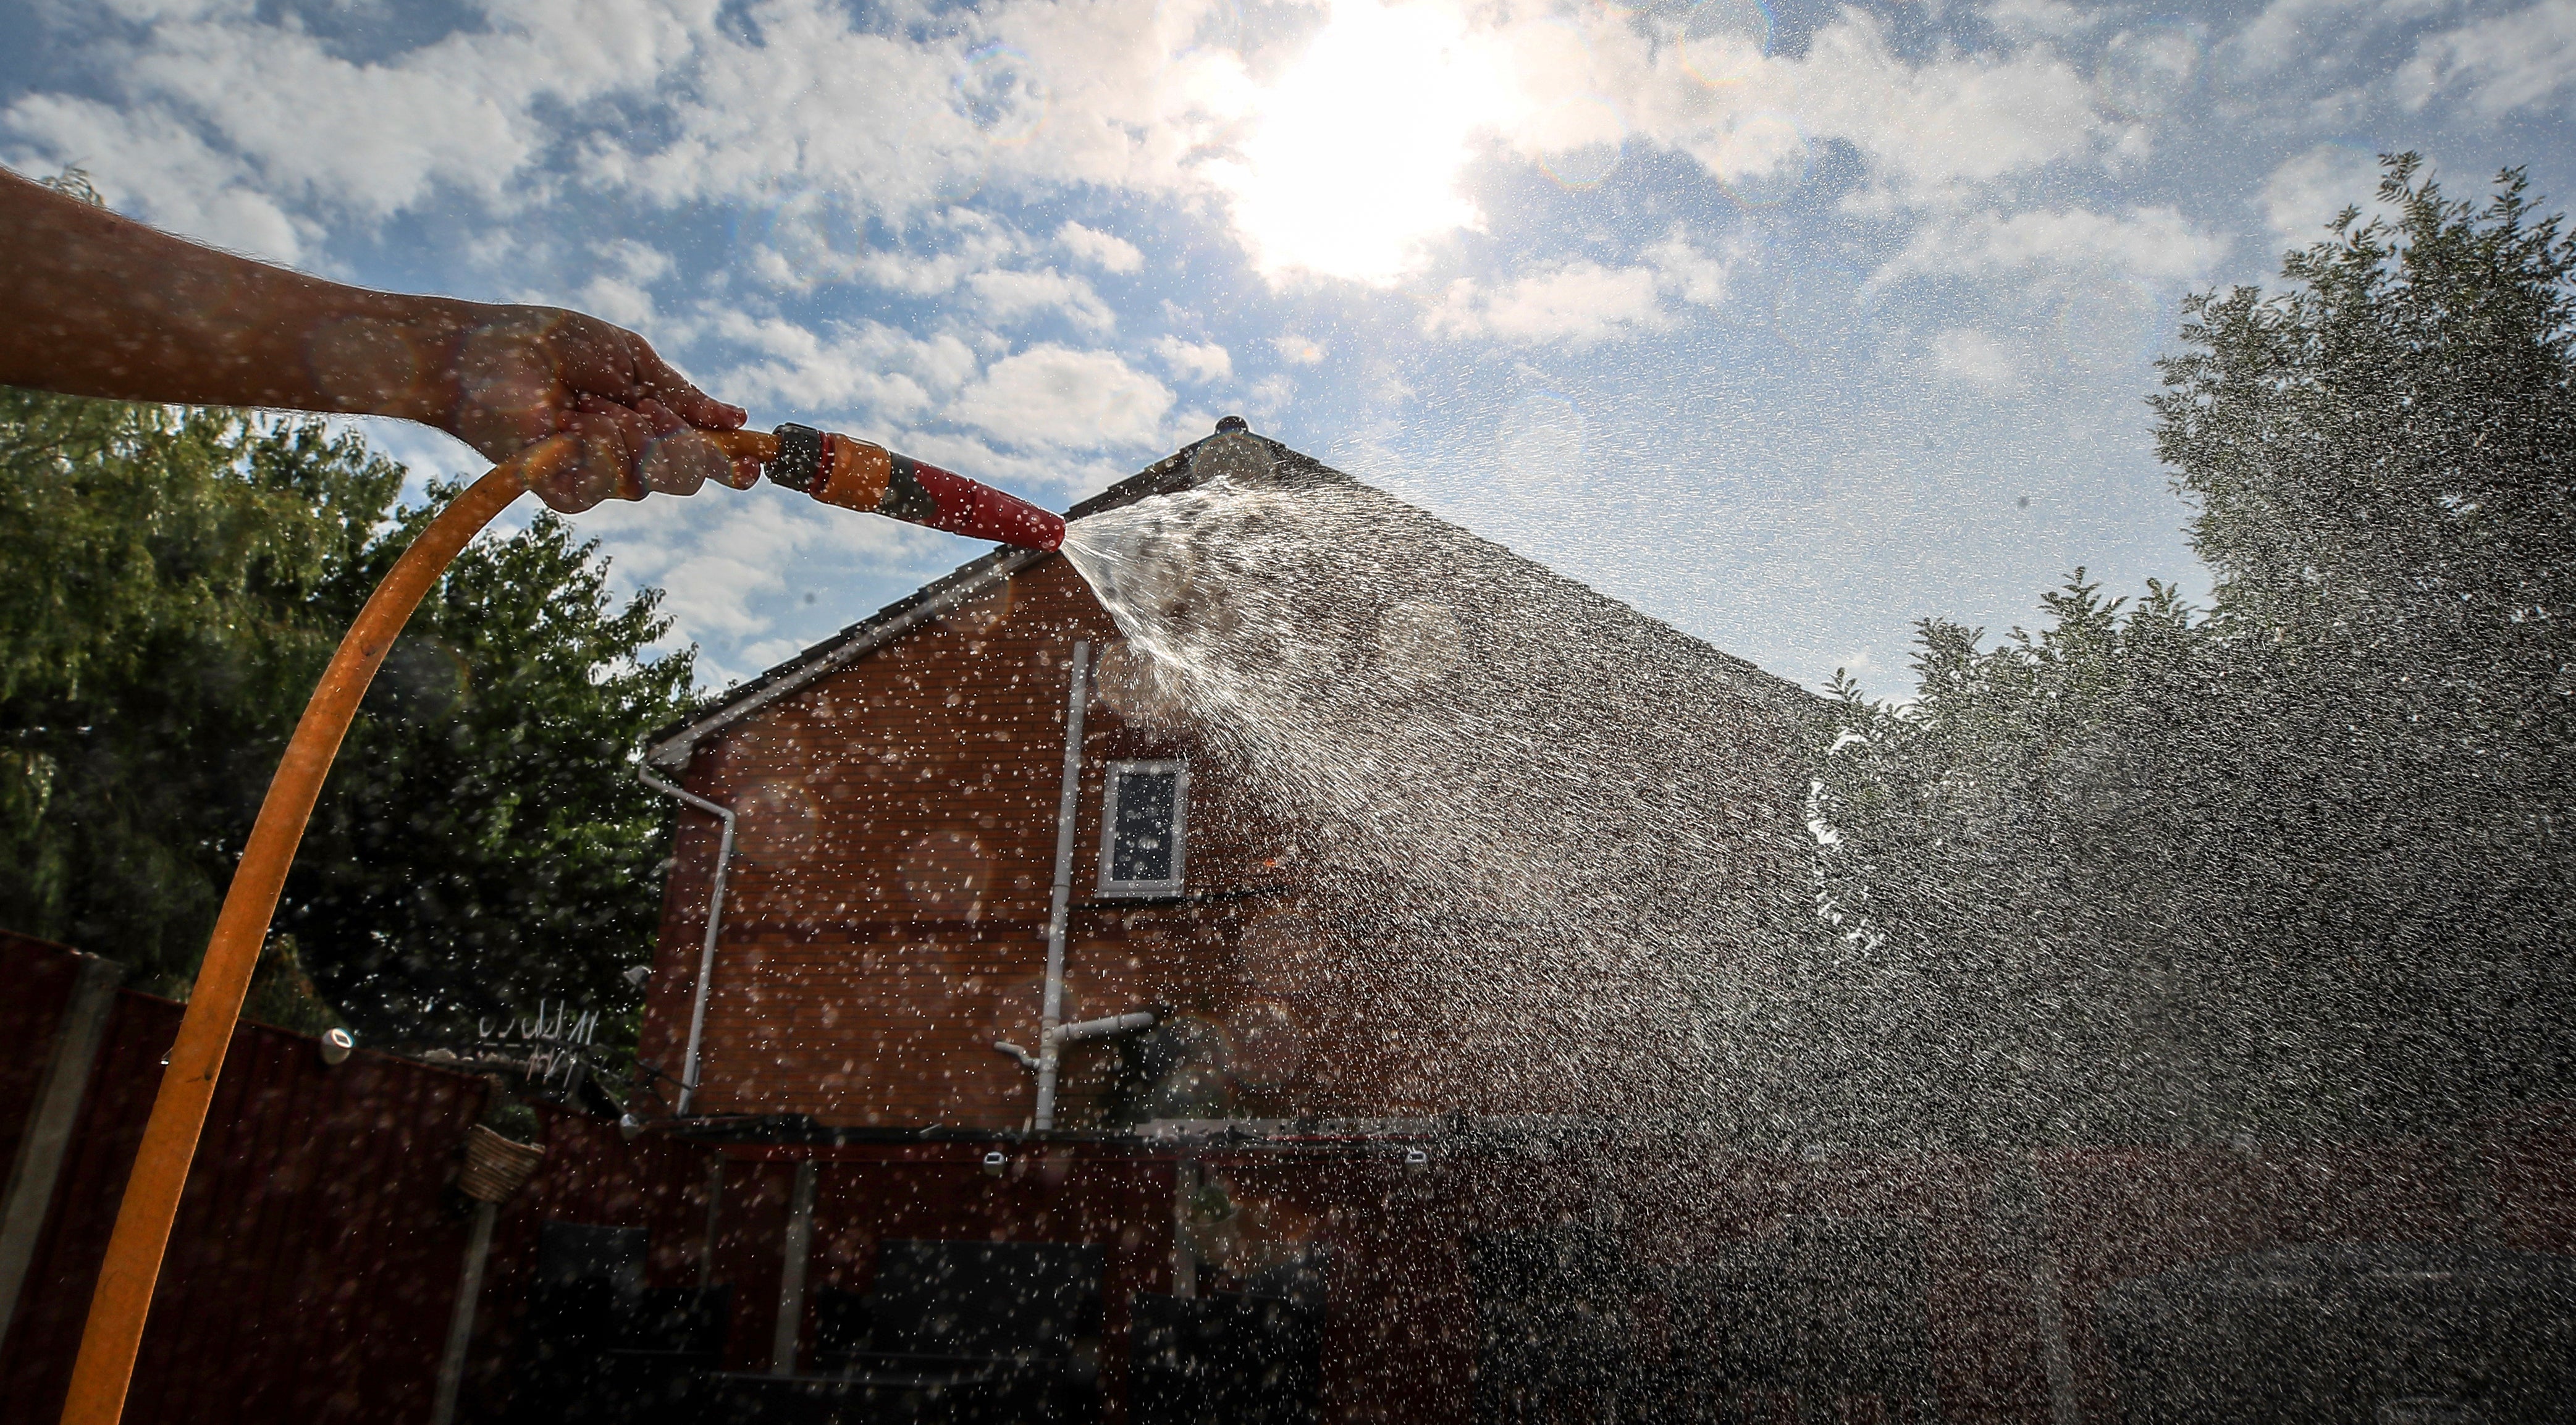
123	1297
832	468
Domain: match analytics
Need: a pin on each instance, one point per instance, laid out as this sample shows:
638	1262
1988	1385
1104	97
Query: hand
525	373
96	305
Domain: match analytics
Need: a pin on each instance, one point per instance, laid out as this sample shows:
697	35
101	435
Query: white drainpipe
1051	1018
715	919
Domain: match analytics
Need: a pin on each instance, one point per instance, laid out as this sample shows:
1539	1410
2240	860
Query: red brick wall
888	900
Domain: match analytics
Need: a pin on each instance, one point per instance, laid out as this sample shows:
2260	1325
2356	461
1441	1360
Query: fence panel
315	1260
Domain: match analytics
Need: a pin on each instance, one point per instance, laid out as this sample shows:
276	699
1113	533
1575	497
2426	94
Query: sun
1354	158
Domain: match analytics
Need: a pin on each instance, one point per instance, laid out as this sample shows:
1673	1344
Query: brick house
885	923
896	791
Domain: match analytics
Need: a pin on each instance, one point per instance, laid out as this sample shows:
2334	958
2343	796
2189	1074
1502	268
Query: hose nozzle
856	475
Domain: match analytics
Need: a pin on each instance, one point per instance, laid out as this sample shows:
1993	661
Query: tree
484	843
174	582
152	625
2298	866
2380	457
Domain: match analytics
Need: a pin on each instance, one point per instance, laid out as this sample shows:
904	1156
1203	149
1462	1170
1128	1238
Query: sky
1787	324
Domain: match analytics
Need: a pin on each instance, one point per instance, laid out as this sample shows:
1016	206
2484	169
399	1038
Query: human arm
94	304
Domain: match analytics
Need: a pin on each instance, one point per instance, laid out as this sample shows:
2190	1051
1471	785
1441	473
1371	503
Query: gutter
715	920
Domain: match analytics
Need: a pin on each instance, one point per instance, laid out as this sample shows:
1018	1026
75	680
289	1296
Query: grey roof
671	746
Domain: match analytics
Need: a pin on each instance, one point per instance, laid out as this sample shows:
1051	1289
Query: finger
679	460
677	392
679	464
662	418
575	485
616	438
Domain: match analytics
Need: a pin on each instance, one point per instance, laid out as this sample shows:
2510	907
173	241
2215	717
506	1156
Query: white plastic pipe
1127	1023
715	919
1051	1017
1103	1028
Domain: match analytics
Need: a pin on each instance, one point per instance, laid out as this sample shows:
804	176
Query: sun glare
1354	158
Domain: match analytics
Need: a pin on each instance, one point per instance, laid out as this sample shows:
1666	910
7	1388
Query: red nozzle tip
978	511
1012	520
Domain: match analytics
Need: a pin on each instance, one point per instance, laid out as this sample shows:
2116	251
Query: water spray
856	475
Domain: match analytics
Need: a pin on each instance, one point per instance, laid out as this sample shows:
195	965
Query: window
1143	824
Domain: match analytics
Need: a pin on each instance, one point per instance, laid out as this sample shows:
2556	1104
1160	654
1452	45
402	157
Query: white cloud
804	246
2032	19
1297	350
370	138
2504	63
2308	190
804	98
375	138
1270	396
1010	295
148	164
637	262
2289	33
2157	243
1581	303
725	561
618	300
1196	362
817	122
865	373
1928	132
1977	358
801	104
1690	274
1057	397
1106	251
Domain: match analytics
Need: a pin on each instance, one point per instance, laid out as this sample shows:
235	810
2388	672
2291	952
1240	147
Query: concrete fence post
460	1320
47	1142
791	1271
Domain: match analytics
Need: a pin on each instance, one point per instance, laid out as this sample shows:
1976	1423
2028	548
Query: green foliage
485	843
2295	867
2381	456
151	625
173	584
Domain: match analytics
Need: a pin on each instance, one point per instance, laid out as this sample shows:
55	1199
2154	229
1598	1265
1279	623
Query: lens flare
999	91
1583	140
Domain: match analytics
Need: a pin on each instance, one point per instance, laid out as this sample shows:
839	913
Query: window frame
1117	768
